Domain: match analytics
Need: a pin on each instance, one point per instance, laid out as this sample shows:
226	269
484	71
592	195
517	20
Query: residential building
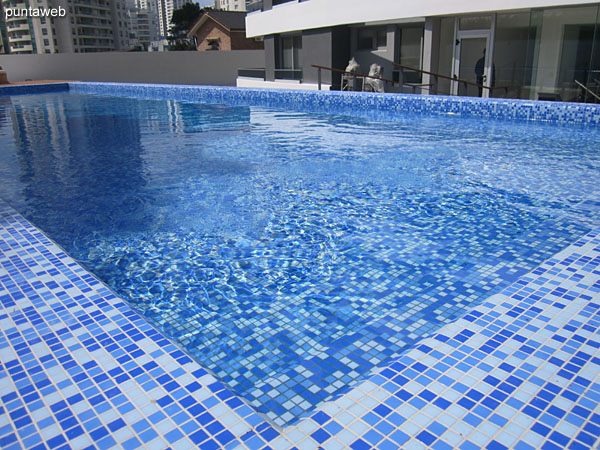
230	5
165	12
25	34
143	24
222	30
532	49
88	26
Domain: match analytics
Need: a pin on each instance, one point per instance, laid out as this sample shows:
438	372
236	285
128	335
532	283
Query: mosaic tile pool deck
79	368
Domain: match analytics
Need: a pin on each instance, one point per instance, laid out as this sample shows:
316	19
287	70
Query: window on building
288	62
42	20
290	53
371	38
45	31
46	42
410	43
214	43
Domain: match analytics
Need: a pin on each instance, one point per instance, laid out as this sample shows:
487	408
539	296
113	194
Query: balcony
21	48
17	26
19	37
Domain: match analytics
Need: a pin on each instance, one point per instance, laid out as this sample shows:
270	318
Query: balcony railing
254	6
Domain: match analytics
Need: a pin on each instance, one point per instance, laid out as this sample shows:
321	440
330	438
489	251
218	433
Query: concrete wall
212	68
316	49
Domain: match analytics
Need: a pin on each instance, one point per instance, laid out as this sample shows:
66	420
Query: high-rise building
143	23
165	12
88	26
27	34
231	5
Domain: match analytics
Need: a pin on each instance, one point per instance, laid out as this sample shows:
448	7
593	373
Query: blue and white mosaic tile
376	106
80	369
372	105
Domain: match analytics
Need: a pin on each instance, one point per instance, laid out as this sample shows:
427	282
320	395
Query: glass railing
254	6
252	73
288	74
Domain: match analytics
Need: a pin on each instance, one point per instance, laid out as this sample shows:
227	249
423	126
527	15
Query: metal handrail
446	77
587	90
354	74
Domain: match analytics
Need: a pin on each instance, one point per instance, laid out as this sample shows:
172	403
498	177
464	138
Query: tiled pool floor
79	368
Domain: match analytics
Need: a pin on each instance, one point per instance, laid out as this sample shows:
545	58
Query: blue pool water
292	253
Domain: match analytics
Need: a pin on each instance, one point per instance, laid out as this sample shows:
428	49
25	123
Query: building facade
88	26
231	5
143	24
512	48
165	13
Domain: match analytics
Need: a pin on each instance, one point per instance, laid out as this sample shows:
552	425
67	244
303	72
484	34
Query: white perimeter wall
211	68
324	13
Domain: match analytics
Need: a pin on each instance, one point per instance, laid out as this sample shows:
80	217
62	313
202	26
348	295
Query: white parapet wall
279	84
311	14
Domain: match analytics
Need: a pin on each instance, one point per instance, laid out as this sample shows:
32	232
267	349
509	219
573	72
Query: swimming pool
291	253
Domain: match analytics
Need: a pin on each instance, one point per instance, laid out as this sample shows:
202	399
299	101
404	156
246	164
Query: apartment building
231	5
88	26
165	12
143	24
534	49
26	34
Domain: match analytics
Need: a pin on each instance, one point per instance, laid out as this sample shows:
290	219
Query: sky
206	2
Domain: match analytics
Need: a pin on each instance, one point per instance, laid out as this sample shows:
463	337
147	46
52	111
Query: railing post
319	77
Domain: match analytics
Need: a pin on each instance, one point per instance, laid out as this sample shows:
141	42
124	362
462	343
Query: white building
231	5
533	48
165	12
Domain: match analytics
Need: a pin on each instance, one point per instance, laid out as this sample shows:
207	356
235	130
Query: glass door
472	65
473	70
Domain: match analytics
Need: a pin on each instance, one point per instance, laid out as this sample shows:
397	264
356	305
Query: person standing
479	71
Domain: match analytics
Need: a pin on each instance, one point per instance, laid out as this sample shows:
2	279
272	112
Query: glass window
446	53
564	53
411	47
290	52
475	23
512	55
371	38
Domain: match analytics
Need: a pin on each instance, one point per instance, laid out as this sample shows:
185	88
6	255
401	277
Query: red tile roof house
223	30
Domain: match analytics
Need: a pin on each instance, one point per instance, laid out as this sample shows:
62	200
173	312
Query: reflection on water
292	253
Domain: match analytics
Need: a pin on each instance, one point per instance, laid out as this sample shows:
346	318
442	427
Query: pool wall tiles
379	106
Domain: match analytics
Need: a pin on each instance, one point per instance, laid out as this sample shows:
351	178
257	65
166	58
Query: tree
184	18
